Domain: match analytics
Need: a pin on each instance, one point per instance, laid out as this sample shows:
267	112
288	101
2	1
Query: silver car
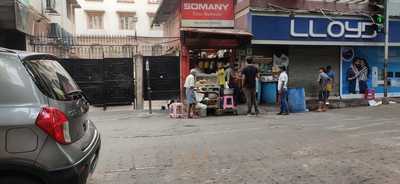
45	134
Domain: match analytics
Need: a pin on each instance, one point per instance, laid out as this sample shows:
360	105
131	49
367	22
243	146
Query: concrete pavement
346	146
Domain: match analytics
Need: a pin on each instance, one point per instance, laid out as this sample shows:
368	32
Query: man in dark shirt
249	75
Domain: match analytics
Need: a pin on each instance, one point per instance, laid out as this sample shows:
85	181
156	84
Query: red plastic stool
176	110
229	103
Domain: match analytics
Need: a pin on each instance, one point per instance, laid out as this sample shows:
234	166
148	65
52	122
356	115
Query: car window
15	84
52	79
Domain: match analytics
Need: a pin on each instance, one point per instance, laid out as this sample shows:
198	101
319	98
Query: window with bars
50	5
95	20
127	21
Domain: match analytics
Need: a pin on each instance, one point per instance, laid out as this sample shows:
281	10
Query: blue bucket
269	91
296	99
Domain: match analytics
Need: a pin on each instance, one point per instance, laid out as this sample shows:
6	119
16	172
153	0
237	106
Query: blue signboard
285	28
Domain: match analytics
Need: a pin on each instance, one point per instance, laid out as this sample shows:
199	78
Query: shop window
127	20
390	74
95	20
397	75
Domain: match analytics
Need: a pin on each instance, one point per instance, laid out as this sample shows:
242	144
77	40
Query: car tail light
55	123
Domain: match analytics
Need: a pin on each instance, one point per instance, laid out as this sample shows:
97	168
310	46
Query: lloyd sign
303	30
335	29
207	13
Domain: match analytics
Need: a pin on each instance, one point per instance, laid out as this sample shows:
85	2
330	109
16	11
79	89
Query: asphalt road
347	146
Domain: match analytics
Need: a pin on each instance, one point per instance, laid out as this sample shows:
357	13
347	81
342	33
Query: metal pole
148	85
386	59
134	60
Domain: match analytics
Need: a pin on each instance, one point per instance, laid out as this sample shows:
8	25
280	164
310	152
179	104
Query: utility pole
386	59
148	85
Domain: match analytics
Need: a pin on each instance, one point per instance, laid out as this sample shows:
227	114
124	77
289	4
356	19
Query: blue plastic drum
269	91
297	100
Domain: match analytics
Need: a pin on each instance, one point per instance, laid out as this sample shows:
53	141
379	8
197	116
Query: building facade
319	34
206	32
117	17
22	19
305	35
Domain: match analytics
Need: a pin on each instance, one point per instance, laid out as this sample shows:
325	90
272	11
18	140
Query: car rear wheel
17	180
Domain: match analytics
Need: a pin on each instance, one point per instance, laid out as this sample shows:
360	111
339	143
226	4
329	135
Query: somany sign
206	6
275	29
207	13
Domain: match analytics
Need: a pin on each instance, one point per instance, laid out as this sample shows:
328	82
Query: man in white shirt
282	89
190	96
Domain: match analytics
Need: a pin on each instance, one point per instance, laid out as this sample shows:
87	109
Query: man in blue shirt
332	75
323	81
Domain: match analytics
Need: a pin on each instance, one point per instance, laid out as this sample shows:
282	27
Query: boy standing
282	90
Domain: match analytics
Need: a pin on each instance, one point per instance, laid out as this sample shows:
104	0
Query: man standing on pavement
282	89
323	81
249	75
190	96
331	85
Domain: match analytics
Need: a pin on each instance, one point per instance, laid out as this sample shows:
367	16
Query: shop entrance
211	66
211	53
305	62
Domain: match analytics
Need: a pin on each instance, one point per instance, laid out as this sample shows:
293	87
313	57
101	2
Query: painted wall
36	4
172	26
340	6
111	18
374	57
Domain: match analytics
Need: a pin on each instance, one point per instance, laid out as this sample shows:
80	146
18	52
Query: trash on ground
374	103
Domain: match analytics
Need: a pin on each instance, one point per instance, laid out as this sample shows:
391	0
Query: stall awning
235	32
214	38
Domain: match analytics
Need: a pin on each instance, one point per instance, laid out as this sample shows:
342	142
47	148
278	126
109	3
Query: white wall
61	17
111	20
394	6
